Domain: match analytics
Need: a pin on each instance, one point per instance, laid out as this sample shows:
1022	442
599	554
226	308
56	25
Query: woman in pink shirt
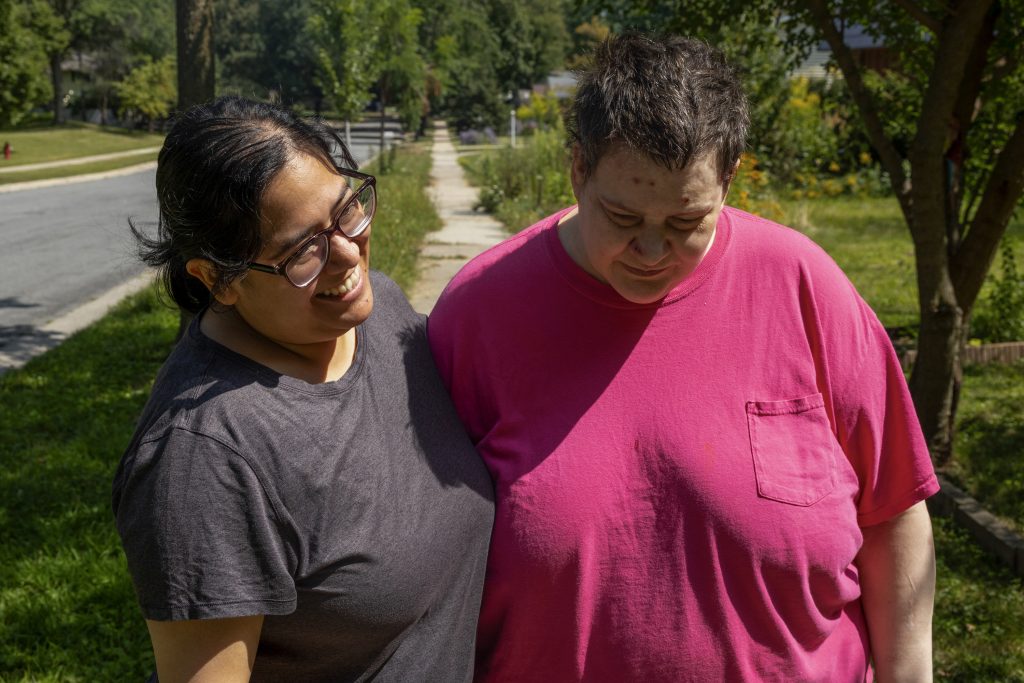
706	459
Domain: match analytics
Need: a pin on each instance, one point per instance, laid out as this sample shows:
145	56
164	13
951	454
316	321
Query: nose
344	250
649	245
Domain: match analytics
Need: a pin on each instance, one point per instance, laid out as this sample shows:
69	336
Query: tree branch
889	156
953	50
1003	192
921	16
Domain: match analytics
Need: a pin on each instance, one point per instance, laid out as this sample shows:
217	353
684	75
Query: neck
314	363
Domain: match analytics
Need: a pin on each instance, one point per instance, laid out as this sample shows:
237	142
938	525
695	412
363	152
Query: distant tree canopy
23	59
464	60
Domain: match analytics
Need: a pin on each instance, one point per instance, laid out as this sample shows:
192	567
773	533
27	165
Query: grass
67	607
39	143
869	240
989	461
978	630
405	213
76	169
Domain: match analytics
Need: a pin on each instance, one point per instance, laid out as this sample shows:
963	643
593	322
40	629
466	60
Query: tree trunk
57	76
383	106
194	26
194	30
934	382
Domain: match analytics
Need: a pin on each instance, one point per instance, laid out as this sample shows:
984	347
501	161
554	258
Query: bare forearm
897	574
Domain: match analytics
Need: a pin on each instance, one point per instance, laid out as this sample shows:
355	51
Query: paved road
65	245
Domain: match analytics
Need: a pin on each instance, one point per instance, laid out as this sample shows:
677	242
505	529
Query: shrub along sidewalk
67	608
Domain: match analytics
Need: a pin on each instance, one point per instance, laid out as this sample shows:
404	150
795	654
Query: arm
897	575
205	651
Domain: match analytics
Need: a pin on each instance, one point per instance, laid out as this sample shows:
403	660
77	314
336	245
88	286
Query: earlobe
730	179
577	170
206	272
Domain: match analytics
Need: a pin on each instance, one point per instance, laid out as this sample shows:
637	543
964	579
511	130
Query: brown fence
1005	352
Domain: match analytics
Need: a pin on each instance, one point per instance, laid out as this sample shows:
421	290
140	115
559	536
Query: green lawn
979	632
67	608
989	461
76	169
871	243
44	142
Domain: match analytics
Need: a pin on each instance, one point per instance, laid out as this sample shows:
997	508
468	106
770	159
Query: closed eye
625	220
686	224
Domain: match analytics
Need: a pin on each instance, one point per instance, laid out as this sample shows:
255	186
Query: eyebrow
282	248
691	212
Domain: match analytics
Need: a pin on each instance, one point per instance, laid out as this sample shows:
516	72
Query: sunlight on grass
979	633
76	169
40	143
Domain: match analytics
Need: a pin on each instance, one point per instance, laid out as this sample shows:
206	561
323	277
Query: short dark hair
212	172
669	98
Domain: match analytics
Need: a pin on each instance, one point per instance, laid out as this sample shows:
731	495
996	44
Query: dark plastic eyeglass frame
279	269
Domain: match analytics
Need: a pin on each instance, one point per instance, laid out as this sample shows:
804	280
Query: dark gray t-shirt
355	514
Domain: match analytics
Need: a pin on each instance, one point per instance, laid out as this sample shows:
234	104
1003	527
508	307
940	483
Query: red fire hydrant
7	150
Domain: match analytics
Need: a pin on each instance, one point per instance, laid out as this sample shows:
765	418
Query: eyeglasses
351	220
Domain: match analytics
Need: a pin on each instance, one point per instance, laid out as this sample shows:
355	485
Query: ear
732	177
206	272
577	171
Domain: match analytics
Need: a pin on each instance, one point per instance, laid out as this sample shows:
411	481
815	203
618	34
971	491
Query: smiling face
642	228
298	203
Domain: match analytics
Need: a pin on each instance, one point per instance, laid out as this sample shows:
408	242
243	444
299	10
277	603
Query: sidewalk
465	234
78	160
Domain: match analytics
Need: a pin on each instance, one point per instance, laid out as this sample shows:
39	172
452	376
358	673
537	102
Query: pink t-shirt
681	486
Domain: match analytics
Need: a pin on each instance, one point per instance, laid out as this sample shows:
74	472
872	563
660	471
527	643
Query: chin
643	295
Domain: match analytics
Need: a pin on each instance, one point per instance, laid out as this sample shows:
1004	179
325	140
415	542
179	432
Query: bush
1000	315
520	186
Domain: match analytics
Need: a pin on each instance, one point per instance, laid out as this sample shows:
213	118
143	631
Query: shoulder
392	317
494	273
767	249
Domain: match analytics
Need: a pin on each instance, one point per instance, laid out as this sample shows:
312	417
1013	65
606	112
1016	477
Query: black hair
669	98
216	163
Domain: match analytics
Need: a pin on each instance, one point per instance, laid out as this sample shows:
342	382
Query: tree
346	35
22	60
958	178
196	70
533	41
149	90
403	71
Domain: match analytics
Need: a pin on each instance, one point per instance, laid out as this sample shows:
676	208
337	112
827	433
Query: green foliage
360	46
23	63
345	34
990	439
978	632
67	609
150	89
520	186
542	112
403	71
999	316
405	214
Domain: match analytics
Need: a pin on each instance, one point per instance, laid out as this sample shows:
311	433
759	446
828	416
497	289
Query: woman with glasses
299	501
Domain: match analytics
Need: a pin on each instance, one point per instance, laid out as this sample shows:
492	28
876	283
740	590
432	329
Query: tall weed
522	185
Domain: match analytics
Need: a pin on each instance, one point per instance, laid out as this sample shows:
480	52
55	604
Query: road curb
991	534
71	180
59	329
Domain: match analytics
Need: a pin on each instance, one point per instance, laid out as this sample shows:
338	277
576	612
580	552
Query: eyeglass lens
352	222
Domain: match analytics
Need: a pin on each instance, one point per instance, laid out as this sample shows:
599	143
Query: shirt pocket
793	449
